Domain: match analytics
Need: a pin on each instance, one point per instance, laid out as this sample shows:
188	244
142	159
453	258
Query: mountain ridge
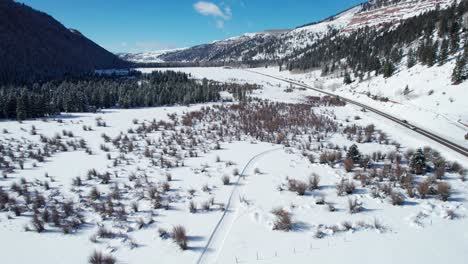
259	46
35	47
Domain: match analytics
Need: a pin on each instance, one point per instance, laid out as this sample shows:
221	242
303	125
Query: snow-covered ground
432	102
421	231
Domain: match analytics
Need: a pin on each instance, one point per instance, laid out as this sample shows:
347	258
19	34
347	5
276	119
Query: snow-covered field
163	163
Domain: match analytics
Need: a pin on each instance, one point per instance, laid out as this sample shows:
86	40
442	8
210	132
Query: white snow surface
418	232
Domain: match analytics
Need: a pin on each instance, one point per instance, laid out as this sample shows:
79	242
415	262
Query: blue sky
144	25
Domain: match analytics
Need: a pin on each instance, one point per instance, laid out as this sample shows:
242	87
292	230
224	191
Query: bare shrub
37	224
323	158
134	206
299	187
226	180
354	206
105	233
179	235
397	198
348	165
423	188
99	258
166	186
168	177
192	207
206	205
94	194
77	182
443	189
439	172
283	220
345	187
314	181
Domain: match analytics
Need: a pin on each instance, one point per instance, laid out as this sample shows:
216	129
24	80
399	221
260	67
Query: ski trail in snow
222	229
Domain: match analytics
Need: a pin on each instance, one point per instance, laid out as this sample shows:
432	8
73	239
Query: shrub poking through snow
192	207
397	198
226	180
99	258
283	220
348	165
179	235
423	188
443	189
345	187
38	224
314	181
297	186
354	206
94	194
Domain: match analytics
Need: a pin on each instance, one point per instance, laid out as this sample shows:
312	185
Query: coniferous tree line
87	94
429	38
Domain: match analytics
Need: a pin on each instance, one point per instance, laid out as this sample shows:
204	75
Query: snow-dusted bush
423	188
314	181
179	235
283	220
348	164
443	189
354	206
192	207
99	258
226	180
297	186
345	187
397	198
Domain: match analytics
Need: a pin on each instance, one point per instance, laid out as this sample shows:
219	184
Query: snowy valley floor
165	164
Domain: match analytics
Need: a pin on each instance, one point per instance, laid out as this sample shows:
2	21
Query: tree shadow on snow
301	226
195	238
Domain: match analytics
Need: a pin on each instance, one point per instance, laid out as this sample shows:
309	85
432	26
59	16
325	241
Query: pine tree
353	153
431	51
411	58
460	72
388	69
347	78
418	162
21	108
443	54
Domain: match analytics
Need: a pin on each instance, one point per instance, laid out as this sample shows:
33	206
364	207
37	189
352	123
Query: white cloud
211	9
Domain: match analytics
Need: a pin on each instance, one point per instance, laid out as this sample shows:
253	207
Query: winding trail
210	253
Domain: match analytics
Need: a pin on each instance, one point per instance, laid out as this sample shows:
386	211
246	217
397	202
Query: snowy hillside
279	44
392	14
146	57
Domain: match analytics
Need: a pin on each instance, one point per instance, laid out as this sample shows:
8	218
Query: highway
453	146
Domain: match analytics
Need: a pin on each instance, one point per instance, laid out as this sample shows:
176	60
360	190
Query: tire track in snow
228	217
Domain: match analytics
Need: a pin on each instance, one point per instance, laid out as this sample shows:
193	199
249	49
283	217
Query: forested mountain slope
35	46
276	46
